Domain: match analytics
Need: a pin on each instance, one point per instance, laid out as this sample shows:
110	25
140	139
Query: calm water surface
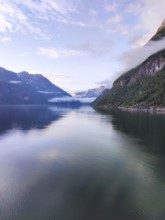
79	164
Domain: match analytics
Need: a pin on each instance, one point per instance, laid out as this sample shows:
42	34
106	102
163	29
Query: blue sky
75	43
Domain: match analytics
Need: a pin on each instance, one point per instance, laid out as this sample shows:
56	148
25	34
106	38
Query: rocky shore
150	109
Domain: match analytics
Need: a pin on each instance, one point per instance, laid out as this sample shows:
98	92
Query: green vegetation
126	76
139	87
150	91
129	74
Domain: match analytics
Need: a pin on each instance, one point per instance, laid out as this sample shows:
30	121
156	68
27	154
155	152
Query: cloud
62	77
137	41
15	82
134	8
4	24
92	12
152	14
98	48
63	80
72	99
13	18
124	29
132	58
120	28
110	7
52	75
88	48
26	16
115	19
5	39
145	17
149	14
30	16
72	22
17	15
59	53
107	83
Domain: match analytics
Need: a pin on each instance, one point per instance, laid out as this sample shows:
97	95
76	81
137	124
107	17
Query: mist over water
76	164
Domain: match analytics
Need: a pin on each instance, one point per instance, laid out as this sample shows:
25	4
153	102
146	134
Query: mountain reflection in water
76	164
148	128
28	117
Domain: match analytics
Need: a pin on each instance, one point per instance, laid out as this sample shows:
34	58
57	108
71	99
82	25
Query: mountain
101	96
160	32
42	85
91	93
142	87
15	90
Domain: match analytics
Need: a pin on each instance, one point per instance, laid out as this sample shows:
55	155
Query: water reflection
28	117
80	167
147	128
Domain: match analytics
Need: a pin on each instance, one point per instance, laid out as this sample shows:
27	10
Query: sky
77	44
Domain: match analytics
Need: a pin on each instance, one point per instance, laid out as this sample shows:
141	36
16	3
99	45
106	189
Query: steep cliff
141	87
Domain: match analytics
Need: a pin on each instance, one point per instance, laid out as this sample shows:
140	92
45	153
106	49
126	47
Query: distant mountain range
141	88
91	93
25	88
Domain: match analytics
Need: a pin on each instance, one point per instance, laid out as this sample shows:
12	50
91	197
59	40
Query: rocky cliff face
150	67
141	87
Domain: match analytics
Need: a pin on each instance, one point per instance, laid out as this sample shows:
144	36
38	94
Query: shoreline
151	109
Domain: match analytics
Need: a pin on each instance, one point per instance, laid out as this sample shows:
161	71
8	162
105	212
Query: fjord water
80	164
